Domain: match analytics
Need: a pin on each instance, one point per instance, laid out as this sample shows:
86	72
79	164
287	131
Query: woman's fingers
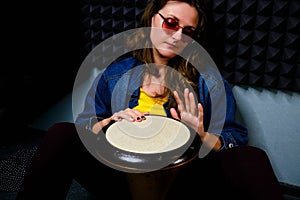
174	113
129	115
187	99
189	104
178	101
200	129
192	104
200	111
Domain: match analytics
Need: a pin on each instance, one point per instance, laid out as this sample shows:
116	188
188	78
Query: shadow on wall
272	118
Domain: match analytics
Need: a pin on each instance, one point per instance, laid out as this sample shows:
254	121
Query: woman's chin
168	53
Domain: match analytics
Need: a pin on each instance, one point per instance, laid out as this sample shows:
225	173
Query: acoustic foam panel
259	39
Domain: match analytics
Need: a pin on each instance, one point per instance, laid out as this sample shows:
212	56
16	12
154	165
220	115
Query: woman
62	156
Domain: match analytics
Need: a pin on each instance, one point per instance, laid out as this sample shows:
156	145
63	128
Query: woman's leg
199	179
60	158
237	173
48	174
248	173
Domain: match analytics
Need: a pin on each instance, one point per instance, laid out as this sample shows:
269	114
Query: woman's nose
177	35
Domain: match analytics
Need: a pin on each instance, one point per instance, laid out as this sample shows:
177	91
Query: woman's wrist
97	127
211	140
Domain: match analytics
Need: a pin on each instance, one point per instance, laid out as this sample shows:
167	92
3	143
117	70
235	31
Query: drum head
156	134
155	143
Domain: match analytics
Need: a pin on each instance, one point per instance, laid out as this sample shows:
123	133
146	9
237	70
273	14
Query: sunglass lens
171	24
188	31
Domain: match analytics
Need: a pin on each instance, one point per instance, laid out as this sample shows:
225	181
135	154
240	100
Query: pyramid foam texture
260	39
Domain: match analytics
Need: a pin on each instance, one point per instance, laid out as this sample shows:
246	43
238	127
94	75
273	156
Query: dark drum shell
133	162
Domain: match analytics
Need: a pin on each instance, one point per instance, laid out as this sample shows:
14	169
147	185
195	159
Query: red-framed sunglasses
171	25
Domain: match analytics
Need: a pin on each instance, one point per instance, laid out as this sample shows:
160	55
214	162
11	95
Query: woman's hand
192	115
127	114
189	112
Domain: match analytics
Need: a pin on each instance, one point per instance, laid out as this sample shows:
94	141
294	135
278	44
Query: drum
150	152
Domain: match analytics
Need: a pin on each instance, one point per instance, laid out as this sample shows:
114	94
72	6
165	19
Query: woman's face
168	43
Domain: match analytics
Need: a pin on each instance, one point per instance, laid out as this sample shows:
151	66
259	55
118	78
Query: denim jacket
117	88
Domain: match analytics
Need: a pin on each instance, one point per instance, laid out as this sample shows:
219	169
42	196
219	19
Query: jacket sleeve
96	105
219	115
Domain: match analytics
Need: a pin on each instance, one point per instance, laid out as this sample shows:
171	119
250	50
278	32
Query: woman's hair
178	63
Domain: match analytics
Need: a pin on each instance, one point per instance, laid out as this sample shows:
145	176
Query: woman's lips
170	45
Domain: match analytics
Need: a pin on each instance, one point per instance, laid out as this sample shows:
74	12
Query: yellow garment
150	104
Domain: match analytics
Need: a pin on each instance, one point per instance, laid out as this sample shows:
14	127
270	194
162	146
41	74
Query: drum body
155	185
150	153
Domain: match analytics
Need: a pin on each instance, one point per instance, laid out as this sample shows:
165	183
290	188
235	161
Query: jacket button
230	145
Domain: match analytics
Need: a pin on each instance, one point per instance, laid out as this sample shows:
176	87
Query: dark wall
42	51
55	40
